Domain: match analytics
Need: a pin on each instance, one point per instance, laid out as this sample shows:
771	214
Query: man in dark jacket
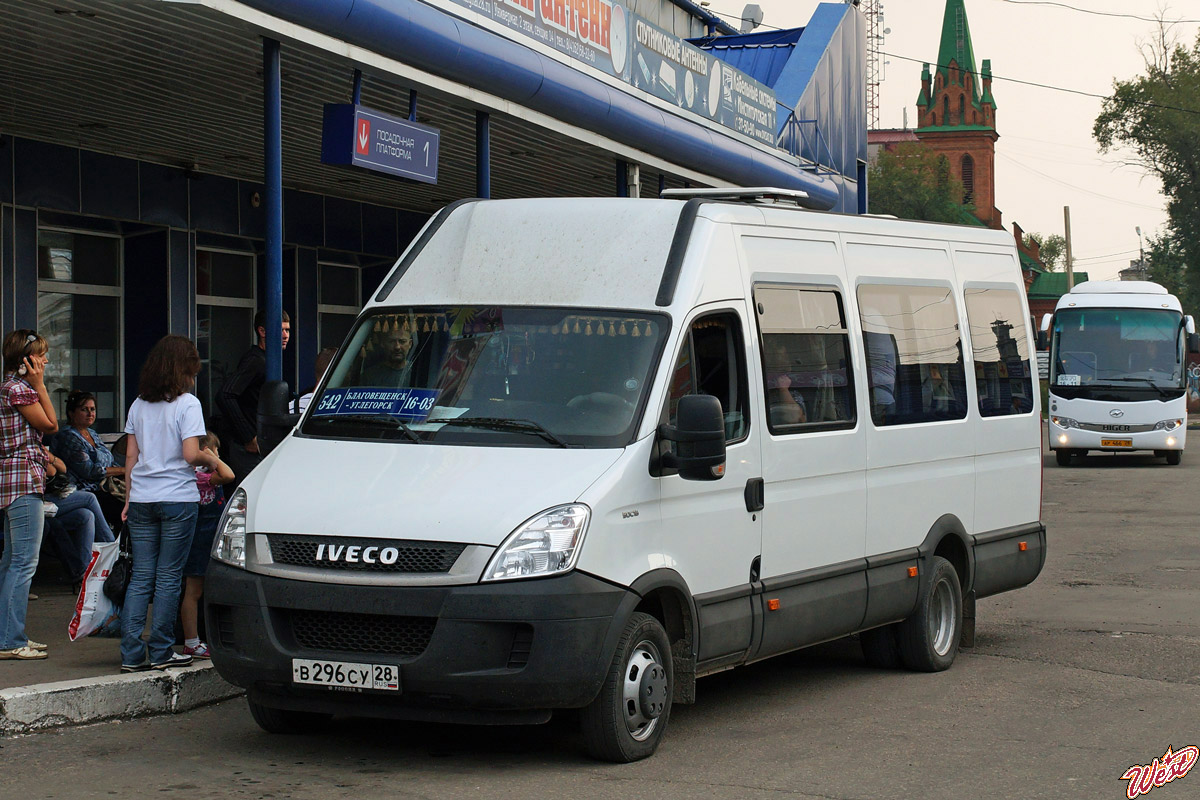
238	401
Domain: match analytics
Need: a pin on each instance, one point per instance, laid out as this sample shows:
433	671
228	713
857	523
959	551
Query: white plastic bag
94	612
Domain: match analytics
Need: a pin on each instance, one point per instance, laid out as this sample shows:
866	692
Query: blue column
483	155
622	179
273	204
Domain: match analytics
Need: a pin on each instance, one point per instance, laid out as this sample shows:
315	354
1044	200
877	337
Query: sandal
32	645
23	653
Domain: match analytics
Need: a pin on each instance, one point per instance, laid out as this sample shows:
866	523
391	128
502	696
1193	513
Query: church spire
956	47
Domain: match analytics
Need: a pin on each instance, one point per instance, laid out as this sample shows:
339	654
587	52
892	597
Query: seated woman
88	460
78	513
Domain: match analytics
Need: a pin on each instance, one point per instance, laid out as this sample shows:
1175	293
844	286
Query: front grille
1115	428
362	633
405	556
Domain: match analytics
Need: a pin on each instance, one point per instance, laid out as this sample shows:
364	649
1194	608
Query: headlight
1064	422
548	544
229	547
1168	424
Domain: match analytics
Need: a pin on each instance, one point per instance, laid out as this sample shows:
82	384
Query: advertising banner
606	35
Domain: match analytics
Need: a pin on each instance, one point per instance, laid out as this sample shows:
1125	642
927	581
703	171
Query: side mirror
1043	342
1193	342
699	439
274	421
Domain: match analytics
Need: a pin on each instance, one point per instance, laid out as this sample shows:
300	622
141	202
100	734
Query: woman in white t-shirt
165	424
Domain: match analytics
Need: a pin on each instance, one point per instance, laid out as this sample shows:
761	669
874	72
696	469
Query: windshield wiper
1163	392
505	424
395	423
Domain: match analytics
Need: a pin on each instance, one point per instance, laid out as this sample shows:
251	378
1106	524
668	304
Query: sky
1046	157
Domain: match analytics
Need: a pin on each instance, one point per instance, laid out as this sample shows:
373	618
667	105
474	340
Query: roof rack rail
745	194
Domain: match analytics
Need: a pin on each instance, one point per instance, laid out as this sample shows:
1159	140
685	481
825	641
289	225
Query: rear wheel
286	721
928	639
1063	457
880	648
627	719
1174	457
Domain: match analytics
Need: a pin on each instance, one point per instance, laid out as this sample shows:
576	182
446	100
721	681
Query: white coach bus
1118	364
579	453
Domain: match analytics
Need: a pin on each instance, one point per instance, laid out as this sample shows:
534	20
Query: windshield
513	376
1109	347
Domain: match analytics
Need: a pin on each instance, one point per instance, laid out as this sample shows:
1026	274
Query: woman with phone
26	412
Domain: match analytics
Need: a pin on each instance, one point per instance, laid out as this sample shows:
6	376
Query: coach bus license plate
346	675
1116	443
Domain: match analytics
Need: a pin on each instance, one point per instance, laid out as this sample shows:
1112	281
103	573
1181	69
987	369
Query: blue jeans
160	535
23	540
80	513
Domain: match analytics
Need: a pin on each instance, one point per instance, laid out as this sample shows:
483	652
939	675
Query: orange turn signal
912	572
773	604
1023	546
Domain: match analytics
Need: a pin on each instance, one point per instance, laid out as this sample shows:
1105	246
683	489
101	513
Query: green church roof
1053	285
956	43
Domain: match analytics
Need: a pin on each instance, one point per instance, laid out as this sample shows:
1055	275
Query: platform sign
362	137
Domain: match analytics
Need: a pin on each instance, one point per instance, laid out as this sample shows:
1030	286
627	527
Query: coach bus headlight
1064	422
229	546
548	544
1168	424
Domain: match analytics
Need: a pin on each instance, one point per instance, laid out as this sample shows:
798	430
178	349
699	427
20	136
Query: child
209	482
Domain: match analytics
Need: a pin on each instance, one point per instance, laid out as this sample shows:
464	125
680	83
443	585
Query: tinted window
805	353
914	354
711	362
1002	372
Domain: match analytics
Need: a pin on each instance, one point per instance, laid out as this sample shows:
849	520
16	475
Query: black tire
928	639
628	718
1174	457
1063	457
286	721
879	647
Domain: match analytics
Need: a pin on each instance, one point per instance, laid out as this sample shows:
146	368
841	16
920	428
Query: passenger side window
808	382
1002	373
712	361
914	353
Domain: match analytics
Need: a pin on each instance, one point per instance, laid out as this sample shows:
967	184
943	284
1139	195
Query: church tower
956	114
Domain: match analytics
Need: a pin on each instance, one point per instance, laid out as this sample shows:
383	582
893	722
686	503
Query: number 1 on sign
427	154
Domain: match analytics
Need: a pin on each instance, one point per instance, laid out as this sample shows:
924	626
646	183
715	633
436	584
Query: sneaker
199	651
32	645
142	667
33	596
24	653
50	508
176	660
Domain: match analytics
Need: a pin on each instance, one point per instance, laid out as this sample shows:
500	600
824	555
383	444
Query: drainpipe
273	197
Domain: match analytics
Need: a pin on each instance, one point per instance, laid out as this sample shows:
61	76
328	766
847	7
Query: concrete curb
25	709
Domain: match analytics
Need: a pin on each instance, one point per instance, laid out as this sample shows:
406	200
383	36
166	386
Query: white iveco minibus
579	453
1118	379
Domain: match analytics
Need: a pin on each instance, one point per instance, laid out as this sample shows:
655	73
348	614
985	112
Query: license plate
1116	443
346	675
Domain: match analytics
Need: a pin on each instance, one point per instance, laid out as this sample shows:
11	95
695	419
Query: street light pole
1141	251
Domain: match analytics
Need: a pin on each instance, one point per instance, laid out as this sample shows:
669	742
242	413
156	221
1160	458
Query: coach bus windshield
1116	347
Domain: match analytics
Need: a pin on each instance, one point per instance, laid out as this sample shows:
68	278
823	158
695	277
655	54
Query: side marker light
773	604
912	572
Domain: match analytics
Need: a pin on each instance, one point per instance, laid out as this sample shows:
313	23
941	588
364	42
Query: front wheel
286	721
929	638
1174	457
627	719
1063	457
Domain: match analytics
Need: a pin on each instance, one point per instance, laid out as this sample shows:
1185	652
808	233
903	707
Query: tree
1167	265
913	182
1052	249
1157	116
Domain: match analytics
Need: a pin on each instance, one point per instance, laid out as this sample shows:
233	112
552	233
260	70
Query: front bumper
504	652
1078	439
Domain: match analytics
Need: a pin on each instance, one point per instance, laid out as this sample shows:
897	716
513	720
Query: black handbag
118	577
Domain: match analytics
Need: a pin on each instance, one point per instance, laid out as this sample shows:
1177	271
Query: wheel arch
664	595
948	539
